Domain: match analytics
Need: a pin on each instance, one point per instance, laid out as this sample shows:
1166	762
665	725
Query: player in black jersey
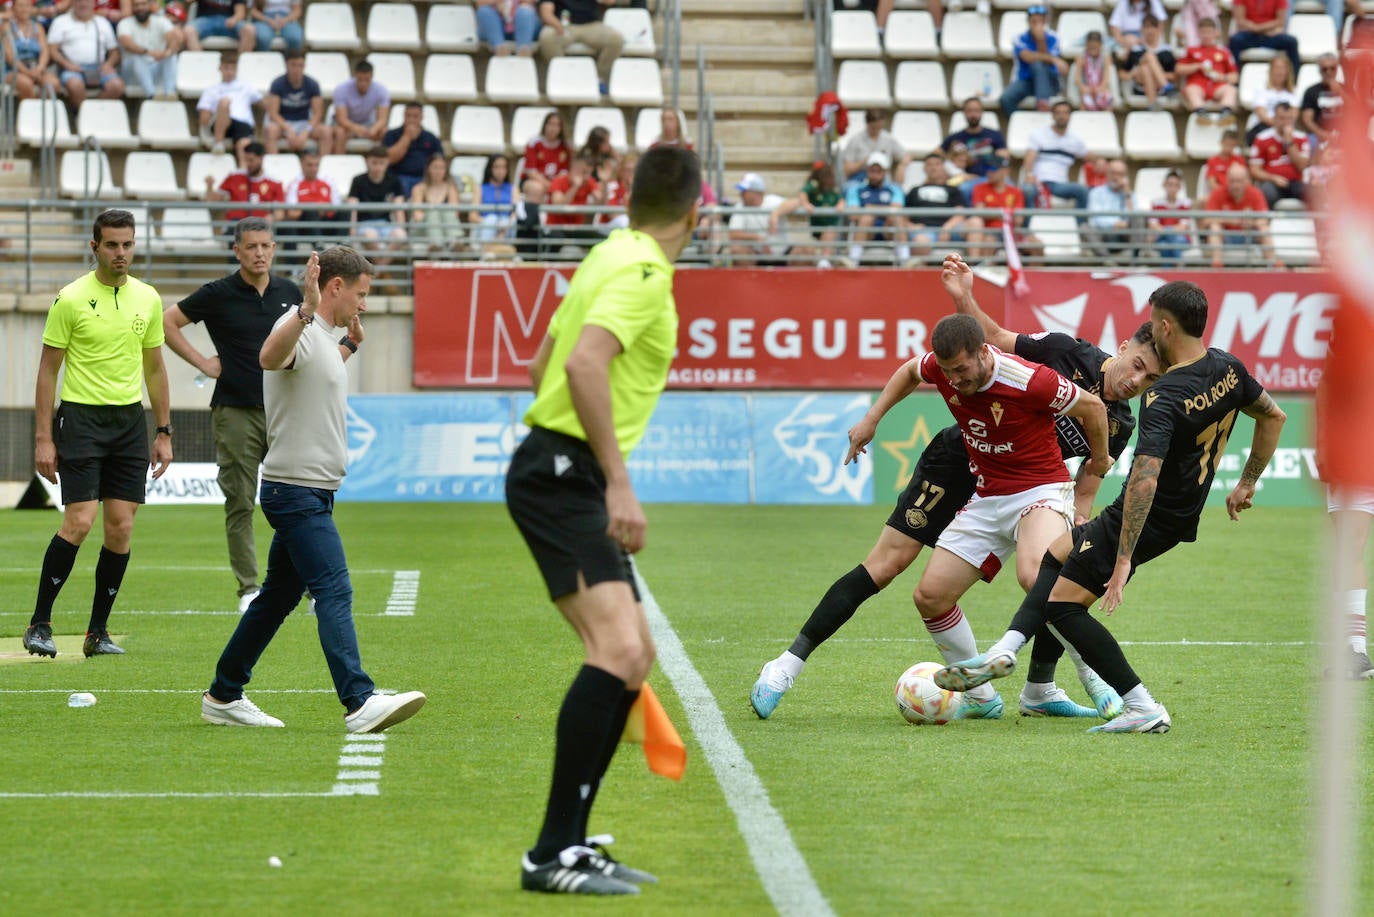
942	484
1185	421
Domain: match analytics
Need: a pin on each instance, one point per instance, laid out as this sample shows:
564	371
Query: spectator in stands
224	19
821	191
1149	66
752	236
670	131
584	25
1094	171
84	47
438	225
249	185
598	146
26	52
311	198
295	110
549	154
1050	152
530	234
1219	165
1321	102
1187	25
1109	231
496	192
112	11
379	230
1127	23
150	44
46	11
999	194
936	193
226	110
1262	24
1211	75
618	194
1171	231
409	148
1241	196
957	163
875	138
874	206
278	19
985	145
577	187
1278	157
508	25
1091	75
1277	88
175	11
881	9
1040	68
361	108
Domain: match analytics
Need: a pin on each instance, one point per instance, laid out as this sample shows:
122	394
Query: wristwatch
347	341
165	428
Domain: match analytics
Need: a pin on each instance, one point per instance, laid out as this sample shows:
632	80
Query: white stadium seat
151	176
510	80
1098	130
526	123
477	129
967	35
107	120
920	84
1200	140
1149	185
854	33
1011	27
392	27
992	119
451	27
1073	27
918	132
328	68
1316	35
635	26
572	81
613	119
982	78
910	33
197	71
186	227
863	84
1253	78
215	165
259	68
468	167
452	77
331	27
429	118
1295	239
341	169
282	167
395	71
1059	233
1020	128
164	125
37	128
636	82
85	175
649	123
1151	135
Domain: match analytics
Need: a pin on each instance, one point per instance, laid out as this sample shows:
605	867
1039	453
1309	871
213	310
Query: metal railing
671	11
7	110
820	11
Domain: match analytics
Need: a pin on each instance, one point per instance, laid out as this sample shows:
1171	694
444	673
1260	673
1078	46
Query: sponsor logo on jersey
1064	396
1077	375
916	518
997	412
1219	390
1150	398
1085	546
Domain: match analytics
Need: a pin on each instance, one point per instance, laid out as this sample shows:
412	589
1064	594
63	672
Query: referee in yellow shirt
597	376
107	328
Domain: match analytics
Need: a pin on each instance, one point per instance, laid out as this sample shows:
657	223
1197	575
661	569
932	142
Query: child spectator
1211	75
380	230
1218	165
1094	171
576	187
1040	67
1092	76
821	191
1149	67
999	194
1170	228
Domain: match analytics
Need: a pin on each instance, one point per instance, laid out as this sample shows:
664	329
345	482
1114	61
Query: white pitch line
923	639
405	591
256	691
216	613
115	794
200	569
781	867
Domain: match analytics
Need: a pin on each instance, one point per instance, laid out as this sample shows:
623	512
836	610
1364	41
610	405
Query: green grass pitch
1023	816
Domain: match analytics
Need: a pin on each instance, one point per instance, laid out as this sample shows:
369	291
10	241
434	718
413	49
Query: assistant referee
597	377
107	328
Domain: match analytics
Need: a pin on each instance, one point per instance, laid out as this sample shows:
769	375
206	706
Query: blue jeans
1172	245
306	552
215	27
1244	41
148	74
291	33
1043	83
491	27
1067	189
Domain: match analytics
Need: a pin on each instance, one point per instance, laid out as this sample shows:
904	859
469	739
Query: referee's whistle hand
45	461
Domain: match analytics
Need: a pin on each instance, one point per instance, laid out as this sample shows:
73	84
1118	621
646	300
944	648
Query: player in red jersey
1023	498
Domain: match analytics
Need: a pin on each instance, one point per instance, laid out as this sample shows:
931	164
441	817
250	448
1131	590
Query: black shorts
1092	568
240	129
940	486
563	515
102	452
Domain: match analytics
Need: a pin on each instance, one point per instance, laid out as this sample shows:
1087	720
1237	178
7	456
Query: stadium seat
967	35
1013	24
331	27
920	84
1098	130
217	166
636	82
635	26
395	71
163	125
856	127
982	78
477	129
1253	78
648	124
1295	239
525	124
1059	233
429	118
469	167
992	119
510	80
259	68
328	68
1149	185
613	119
572	81
1151	135
1073	27
854	33
451	27
863	84
143	221
186	228
1020	128
918	132
341	169
1316	35
85	175
107	120
392	27
37	128
282	167
152	176
452	77
1201	140
197	71
1309	75
910	33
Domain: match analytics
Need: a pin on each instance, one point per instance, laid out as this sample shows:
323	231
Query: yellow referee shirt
104	331
624	285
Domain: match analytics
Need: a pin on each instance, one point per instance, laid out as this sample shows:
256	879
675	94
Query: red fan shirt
1251	200
985	195
1262	12
548	161
243	189
563	184
1269	154
306	192
1217	167
1167	214
1221	60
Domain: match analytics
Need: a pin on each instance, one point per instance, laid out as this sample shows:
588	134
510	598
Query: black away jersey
1081	363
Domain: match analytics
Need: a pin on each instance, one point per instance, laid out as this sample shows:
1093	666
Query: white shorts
1349	499
984	531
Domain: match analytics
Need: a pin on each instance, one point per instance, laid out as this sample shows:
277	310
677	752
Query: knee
118	532
929	603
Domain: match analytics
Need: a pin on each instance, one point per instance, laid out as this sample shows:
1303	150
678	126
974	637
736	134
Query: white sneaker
1138	719
824	264
242	712
984	8
382	710
247	599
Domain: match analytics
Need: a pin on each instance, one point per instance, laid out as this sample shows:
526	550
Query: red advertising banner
1277	323
479	326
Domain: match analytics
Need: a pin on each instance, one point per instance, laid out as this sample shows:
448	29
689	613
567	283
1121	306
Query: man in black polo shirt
239	312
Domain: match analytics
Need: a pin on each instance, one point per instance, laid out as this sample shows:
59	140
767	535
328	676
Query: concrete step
733	9
761	131
744	104
746	31
728	80
782	57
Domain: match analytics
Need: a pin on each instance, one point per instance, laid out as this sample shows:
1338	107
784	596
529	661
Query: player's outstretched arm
1269	419
1089	410
1139	497
903	382
957	278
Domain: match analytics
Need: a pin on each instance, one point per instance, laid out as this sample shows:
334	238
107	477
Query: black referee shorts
102	452
556	494
1091	566
938	489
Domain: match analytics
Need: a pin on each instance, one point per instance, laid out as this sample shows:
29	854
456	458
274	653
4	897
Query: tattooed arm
1269	418
1140	496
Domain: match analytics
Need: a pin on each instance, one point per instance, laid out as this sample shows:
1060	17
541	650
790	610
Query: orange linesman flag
649	726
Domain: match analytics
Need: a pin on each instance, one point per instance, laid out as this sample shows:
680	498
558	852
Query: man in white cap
750	241
880	198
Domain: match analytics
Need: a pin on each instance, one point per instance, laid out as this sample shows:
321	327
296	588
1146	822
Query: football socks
622	713
837	606
1099	648
57	566
953	637
109	575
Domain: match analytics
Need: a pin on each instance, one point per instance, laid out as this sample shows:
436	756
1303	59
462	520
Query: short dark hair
667	185
1145	334
1230	134
1209	21
1173	173
115	219
229	57
970	99
956	334
256	148
250	224
345	262
362	66
410	105
1283	106
1185	302
1094	35
1150	19
377	152
294	54
1062	102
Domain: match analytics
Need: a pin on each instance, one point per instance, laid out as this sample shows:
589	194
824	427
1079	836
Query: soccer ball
921	701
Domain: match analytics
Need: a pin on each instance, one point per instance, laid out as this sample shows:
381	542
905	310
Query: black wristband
347	341
305	319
